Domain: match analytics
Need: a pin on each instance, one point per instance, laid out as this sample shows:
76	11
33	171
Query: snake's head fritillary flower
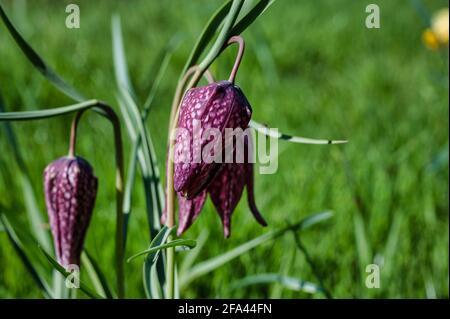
70	190
218	105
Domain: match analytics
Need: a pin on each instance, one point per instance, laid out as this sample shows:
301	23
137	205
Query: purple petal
188	211
251	195
226	191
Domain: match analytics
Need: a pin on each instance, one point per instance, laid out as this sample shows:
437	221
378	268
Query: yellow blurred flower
437	35
430	39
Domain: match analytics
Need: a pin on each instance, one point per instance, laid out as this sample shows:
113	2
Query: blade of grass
51	112
272	278
207	34
120	64
18	247
189	243
362	247
141	137
153	283
159	68
96	275
209	265
38	62
190	258
154	209
362	244
311	264
34	214
289	138
88	291
251	16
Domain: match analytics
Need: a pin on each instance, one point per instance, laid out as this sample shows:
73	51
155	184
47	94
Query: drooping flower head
217	107
70	191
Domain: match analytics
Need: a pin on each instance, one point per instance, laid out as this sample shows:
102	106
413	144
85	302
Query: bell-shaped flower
70	190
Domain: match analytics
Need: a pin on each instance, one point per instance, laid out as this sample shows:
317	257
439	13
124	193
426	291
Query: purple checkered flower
215	106
220	105
70	190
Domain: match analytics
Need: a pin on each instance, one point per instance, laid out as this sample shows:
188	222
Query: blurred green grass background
311	68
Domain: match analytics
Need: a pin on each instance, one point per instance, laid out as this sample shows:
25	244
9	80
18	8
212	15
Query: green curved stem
106	111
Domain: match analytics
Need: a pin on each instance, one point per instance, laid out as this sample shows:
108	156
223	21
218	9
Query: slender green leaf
251	16
190	258
149	169
88	291
34	214
362	244
289	138
391	246
18	247
153	284
120	64
143	148
207	34
209	265
38	62
131	176
188	243
223	35
47	113
159	68
272	278
96	275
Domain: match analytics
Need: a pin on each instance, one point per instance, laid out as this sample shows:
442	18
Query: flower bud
70	190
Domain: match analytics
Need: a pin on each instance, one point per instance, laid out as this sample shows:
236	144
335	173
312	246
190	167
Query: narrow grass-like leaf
136	128
190	258
289	138
312	265
52	112
251	16
207	34
96	275
188	243
362	244
159	68
120	64
151	181
34	214
38	62
131	176
209	265
391	245
88	291
272	278
18	247
153	284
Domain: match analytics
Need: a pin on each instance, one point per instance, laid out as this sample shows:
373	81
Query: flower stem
236	39
73	133
120	249
120	254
